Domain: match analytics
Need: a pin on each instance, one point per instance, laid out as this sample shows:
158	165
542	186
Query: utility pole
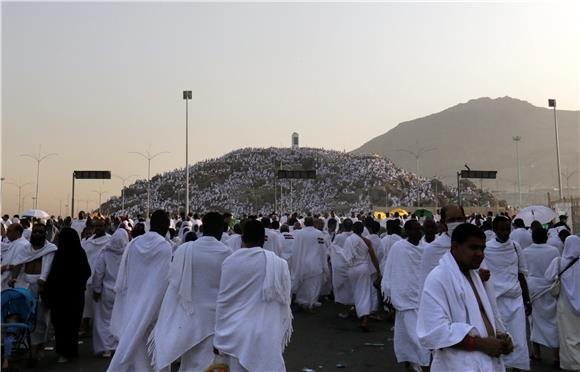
38	158
552	103
187	96
148	157
417	155
19	186
517	140
124	180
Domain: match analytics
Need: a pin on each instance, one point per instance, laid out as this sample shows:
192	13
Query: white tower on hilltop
294	140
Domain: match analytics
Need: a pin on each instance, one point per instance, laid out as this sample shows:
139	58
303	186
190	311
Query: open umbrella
536	213
402	212
36	213
379	215
423	213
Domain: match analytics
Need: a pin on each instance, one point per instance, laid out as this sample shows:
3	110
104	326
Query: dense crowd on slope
245	178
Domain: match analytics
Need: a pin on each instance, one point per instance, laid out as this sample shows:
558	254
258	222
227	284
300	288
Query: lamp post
517	140
552	103
39	158
187	97
86	204
21	201
417	154
100	192
148	157
568	176
66	203
19	186
2	179
124	180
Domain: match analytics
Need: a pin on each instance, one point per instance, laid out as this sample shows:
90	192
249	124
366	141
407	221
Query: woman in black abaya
64	292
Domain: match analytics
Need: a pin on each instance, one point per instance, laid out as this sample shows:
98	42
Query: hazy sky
93	81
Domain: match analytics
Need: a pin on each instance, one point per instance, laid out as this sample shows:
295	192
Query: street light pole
187	97
124	180
148	157
39	158
417	154
568	175
517	140
86	204
19	186
552	103
2	179
100	192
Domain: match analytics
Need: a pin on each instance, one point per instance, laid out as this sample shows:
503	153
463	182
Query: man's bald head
14	231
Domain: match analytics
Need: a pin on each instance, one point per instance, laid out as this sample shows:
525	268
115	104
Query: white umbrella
36	213
536	213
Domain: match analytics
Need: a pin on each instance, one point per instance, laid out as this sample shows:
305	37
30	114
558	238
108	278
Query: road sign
478	174
92	175
296	174
86	175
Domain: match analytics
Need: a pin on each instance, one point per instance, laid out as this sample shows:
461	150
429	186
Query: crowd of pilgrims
230	181
211	290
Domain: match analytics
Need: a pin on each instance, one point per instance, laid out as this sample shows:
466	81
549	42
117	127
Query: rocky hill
243	182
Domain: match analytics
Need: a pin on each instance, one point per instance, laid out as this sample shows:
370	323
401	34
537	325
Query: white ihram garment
93	247
359	273
104	277
432	253
309	266
341	286
404	288
505	261
186	321
140	286
544	325
449	311
568	304
9	252
253	317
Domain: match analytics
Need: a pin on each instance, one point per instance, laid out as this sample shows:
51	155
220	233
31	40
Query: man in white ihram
458	318
141	284
404	290
309	265
104	278
16	243
507	266
544	320
186	321
93	246
452	216
520	234
253	317
31	266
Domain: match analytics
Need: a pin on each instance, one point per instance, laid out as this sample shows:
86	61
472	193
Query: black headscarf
70	269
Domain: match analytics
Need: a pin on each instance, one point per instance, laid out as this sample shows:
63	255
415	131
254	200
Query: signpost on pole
86	175
478	174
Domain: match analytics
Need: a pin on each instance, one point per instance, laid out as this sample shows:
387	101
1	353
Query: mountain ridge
479	132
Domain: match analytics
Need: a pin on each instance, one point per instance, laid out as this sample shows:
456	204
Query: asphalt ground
321	342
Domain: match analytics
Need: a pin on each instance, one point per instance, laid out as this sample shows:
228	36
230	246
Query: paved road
320	342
